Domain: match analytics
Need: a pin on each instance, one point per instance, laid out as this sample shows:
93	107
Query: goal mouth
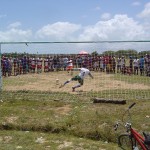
120	68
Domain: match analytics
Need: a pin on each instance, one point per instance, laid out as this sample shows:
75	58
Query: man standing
39	65
136	65
141	65
69	66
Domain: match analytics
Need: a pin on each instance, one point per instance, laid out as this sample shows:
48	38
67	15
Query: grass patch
132	79
76	118
27	140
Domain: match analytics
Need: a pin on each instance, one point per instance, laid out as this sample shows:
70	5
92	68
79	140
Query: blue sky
74	20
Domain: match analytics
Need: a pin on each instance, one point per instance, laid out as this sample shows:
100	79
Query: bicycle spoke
125	142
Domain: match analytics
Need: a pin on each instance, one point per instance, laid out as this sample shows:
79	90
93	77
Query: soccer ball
57	81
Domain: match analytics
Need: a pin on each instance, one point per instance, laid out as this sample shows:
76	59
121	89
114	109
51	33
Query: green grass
84	119
22	81
26	140
60	120
133	79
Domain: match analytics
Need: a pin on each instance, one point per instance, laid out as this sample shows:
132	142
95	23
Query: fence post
0	69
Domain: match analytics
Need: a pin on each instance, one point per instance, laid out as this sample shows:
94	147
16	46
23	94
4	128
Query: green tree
95	53
143	53
110	53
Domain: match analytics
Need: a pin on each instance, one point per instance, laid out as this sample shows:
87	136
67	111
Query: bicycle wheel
125	142
137	146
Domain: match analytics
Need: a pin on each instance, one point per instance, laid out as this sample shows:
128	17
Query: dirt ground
52	80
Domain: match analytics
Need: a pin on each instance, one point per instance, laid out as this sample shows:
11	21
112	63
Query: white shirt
136	62
70	63
83	72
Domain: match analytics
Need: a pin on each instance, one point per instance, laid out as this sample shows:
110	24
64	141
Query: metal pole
0	69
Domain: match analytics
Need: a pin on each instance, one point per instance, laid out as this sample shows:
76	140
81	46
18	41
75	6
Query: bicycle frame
138	138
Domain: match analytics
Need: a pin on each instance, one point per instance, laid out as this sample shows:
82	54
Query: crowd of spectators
109	64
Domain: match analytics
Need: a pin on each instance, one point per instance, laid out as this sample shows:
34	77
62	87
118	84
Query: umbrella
83	53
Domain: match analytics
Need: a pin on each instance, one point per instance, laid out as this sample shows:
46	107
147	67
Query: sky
74	20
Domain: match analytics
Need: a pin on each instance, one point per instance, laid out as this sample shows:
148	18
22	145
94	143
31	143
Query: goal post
0	69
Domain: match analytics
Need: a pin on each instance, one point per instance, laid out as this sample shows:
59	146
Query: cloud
97	8
2	16
84	16
58	30
14	33
105	16
15	25
121	27
146	12
136	3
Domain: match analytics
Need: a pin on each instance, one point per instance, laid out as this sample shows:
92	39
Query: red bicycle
132	140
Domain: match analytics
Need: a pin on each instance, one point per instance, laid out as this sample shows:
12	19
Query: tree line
125	53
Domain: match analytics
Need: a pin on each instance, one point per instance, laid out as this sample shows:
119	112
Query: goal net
35	70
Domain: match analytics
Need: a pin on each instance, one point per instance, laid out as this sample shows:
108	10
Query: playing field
48	82
28	103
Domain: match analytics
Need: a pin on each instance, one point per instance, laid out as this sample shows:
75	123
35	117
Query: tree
95	53
110	53
143	53
126	53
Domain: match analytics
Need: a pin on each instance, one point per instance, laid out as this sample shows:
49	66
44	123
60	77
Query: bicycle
132	139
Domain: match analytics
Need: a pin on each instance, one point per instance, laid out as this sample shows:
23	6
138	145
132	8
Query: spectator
136	65
118	64
50	64
122	62
141	65
65	61
24	63
148	66
101	61
114	64
46	65
39	65
33	65
131	63
69	66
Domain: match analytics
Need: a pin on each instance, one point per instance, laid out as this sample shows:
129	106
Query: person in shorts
69	66
80	78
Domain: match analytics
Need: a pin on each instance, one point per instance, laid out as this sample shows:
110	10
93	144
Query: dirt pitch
52	80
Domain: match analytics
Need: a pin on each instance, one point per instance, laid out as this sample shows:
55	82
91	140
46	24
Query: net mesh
35	70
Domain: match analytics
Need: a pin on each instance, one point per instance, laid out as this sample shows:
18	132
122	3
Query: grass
26	140
78	119
60	120
133	79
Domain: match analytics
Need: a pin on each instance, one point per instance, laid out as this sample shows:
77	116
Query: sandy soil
51	82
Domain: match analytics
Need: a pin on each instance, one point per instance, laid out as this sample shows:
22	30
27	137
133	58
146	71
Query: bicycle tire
125	142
